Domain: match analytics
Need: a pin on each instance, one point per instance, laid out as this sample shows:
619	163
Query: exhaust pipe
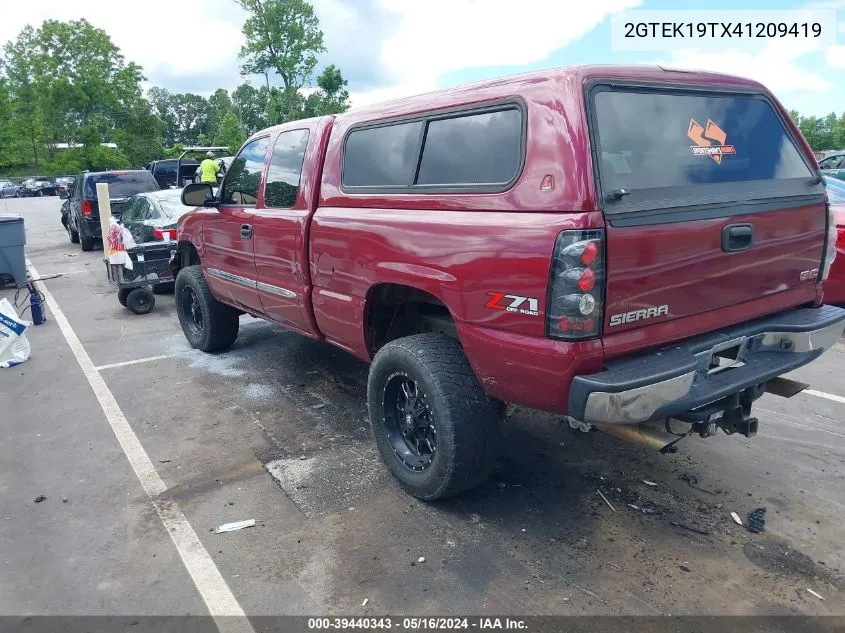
642	435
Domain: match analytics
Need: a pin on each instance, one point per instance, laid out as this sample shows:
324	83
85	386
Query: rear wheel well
394	311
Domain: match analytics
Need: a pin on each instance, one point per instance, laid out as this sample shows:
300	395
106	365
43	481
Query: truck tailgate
710	202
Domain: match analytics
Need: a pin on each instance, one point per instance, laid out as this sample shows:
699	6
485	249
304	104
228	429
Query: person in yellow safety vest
209	168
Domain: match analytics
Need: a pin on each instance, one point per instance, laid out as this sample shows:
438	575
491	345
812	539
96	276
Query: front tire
122	295
435	428
208	324
140	300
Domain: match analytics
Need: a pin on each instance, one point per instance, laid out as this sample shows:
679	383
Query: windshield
172	209
657	144
835	190
121	184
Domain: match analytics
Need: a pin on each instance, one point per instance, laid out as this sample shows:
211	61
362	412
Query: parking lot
145	448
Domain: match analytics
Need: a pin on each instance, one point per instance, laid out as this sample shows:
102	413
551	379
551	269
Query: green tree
231	132
333	95
68	82
250	104
219	105
26	101
282	36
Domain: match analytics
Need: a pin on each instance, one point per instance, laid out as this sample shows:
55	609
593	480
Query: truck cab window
285	169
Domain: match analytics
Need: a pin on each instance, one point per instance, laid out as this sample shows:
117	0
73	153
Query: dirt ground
276	430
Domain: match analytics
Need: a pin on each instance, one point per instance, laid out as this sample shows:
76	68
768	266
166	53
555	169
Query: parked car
9	189
833	165
164	171
64	183
81	216
224	162
543	240
152	216
834	287
37	187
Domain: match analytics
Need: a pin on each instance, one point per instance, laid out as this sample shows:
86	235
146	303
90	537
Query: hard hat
210	154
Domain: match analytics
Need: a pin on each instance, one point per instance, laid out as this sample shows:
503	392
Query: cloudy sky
390	48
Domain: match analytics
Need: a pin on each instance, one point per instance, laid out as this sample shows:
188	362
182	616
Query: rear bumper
90	227
678	379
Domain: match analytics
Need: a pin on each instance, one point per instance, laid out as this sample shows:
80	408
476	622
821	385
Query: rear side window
653	145
477	151
121	184
285	169
382	156
244	176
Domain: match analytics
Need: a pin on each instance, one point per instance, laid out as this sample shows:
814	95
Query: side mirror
64	195
198	195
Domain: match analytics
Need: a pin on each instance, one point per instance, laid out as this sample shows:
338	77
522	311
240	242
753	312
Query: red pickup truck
638	248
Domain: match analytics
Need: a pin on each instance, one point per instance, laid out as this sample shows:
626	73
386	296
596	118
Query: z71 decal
513	303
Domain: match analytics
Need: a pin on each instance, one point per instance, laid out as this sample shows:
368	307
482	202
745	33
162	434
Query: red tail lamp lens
587	281
591	252
87	211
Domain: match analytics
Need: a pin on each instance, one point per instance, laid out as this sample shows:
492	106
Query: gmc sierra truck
638	248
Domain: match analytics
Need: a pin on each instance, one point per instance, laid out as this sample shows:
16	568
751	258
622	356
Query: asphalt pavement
145	447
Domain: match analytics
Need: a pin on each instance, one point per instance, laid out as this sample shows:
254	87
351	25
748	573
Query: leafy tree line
822	133
67	82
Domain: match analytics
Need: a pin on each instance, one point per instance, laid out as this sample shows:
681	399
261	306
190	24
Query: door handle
246	231
737	237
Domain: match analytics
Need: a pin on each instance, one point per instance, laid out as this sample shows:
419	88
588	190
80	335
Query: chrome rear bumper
681	378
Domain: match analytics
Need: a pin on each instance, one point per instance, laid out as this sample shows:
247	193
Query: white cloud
775	66
174	39
835	56
439	36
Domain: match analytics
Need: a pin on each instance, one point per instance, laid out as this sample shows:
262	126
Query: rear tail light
830	244
164	234
576	286
87	209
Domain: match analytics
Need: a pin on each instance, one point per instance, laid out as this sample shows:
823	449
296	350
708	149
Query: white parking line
132	362
822	394
207	578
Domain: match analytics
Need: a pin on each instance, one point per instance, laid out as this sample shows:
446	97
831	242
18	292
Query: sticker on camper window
709	141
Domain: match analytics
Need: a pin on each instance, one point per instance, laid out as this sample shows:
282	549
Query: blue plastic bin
12	258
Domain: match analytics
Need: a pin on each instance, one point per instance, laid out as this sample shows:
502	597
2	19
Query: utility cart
150	275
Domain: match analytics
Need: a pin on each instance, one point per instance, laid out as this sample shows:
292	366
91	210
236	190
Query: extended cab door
228	260
281	224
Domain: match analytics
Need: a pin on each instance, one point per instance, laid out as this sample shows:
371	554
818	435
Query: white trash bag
14	348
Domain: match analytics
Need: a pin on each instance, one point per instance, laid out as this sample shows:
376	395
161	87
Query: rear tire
74	235
122	294
86	242
208	324
140	300
459	447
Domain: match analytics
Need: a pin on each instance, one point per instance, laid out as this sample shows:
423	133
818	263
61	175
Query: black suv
81	213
